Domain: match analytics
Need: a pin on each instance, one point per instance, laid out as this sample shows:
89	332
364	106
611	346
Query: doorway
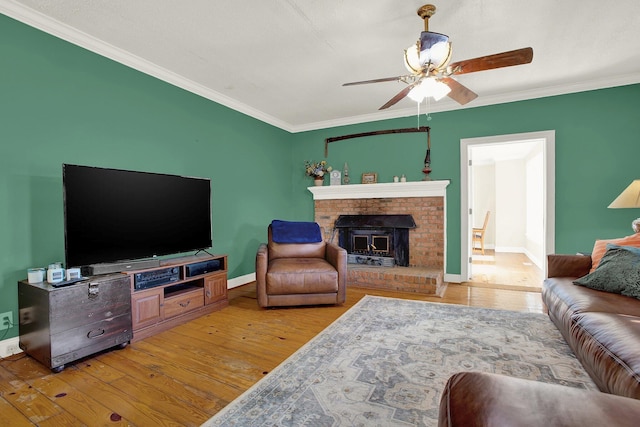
513	178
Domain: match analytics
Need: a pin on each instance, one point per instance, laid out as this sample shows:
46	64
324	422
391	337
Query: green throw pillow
618	272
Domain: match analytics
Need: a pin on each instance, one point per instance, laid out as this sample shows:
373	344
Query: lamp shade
629	198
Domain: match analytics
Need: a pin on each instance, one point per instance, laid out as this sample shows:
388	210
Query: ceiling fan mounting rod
425	12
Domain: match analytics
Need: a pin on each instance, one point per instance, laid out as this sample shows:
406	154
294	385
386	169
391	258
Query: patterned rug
385	361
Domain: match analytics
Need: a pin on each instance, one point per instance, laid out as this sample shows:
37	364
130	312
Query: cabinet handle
95	333
93	290
185	304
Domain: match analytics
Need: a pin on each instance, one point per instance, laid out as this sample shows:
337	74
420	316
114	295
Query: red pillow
600	247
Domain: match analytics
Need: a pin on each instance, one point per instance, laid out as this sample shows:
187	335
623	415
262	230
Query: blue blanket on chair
295	232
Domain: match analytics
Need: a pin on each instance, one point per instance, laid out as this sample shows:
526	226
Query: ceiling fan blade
459	92
386	79
404	92
490	62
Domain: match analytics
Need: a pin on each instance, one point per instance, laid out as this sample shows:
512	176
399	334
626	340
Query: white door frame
549	138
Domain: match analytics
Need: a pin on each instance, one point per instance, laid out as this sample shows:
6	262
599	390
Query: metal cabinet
59	325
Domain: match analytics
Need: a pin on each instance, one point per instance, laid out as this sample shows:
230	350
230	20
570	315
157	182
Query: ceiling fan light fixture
416	94
429	87
432	51
428	59
435	49
412	59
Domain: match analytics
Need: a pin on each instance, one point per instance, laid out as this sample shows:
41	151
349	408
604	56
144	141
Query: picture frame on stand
369	178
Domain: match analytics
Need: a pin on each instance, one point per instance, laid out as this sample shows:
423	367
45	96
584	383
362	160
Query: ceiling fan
431	74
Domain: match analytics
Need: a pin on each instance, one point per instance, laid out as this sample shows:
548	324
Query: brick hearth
422	280
425	201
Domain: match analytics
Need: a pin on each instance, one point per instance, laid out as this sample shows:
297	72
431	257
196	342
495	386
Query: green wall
597	150
62	104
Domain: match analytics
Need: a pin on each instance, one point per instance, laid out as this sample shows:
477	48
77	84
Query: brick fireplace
425	201
381	240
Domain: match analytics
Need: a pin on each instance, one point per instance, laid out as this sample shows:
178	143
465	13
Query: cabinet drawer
182	303
87	302
88	339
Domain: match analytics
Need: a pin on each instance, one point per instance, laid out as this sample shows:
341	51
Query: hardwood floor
504	270
185	375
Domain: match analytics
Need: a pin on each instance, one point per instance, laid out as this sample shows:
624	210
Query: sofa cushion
474	399
608	346
618	272
559	265
600	247
301	276
560	295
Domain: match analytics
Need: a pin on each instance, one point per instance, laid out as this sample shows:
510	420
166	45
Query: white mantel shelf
381	190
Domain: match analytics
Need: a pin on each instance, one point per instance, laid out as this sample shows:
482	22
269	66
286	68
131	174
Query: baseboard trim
453	278
538	262
510	249
241	280
9	347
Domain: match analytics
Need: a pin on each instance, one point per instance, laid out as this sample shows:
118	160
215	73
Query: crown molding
483	101
67	33
58	29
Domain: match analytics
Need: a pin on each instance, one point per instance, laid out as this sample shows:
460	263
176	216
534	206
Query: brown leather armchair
291	274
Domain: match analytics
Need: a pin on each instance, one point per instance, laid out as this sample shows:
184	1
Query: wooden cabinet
215	288
146	307
61	325
189	293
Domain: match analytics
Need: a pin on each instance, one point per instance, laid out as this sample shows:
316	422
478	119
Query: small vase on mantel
345	174
318	182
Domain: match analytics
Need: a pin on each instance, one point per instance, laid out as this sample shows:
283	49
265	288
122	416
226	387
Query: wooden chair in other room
477	234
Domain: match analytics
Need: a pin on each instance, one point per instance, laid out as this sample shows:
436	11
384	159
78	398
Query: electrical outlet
6	320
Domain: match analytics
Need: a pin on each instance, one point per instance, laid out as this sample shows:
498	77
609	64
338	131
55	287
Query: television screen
116	215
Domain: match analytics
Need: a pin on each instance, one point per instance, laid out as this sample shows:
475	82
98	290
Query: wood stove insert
378	240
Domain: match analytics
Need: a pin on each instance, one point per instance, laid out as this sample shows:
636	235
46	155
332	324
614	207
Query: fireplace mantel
381	190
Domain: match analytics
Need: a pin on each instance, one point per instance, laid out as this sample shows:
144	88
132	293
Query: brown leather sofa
292	274
602	328
473	399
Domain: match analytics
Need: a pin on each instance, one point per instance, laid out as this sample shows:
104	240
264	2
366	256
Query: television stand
190	291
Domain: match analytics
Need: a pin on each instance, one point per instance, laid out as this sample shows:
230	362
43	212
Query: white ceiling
284	61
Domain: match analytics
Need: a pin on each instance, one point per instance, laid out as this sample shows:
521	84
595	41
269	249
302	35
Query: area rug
385	362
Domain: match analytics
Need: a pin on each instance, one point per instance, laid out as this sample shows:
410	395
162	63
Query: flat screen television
113	215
